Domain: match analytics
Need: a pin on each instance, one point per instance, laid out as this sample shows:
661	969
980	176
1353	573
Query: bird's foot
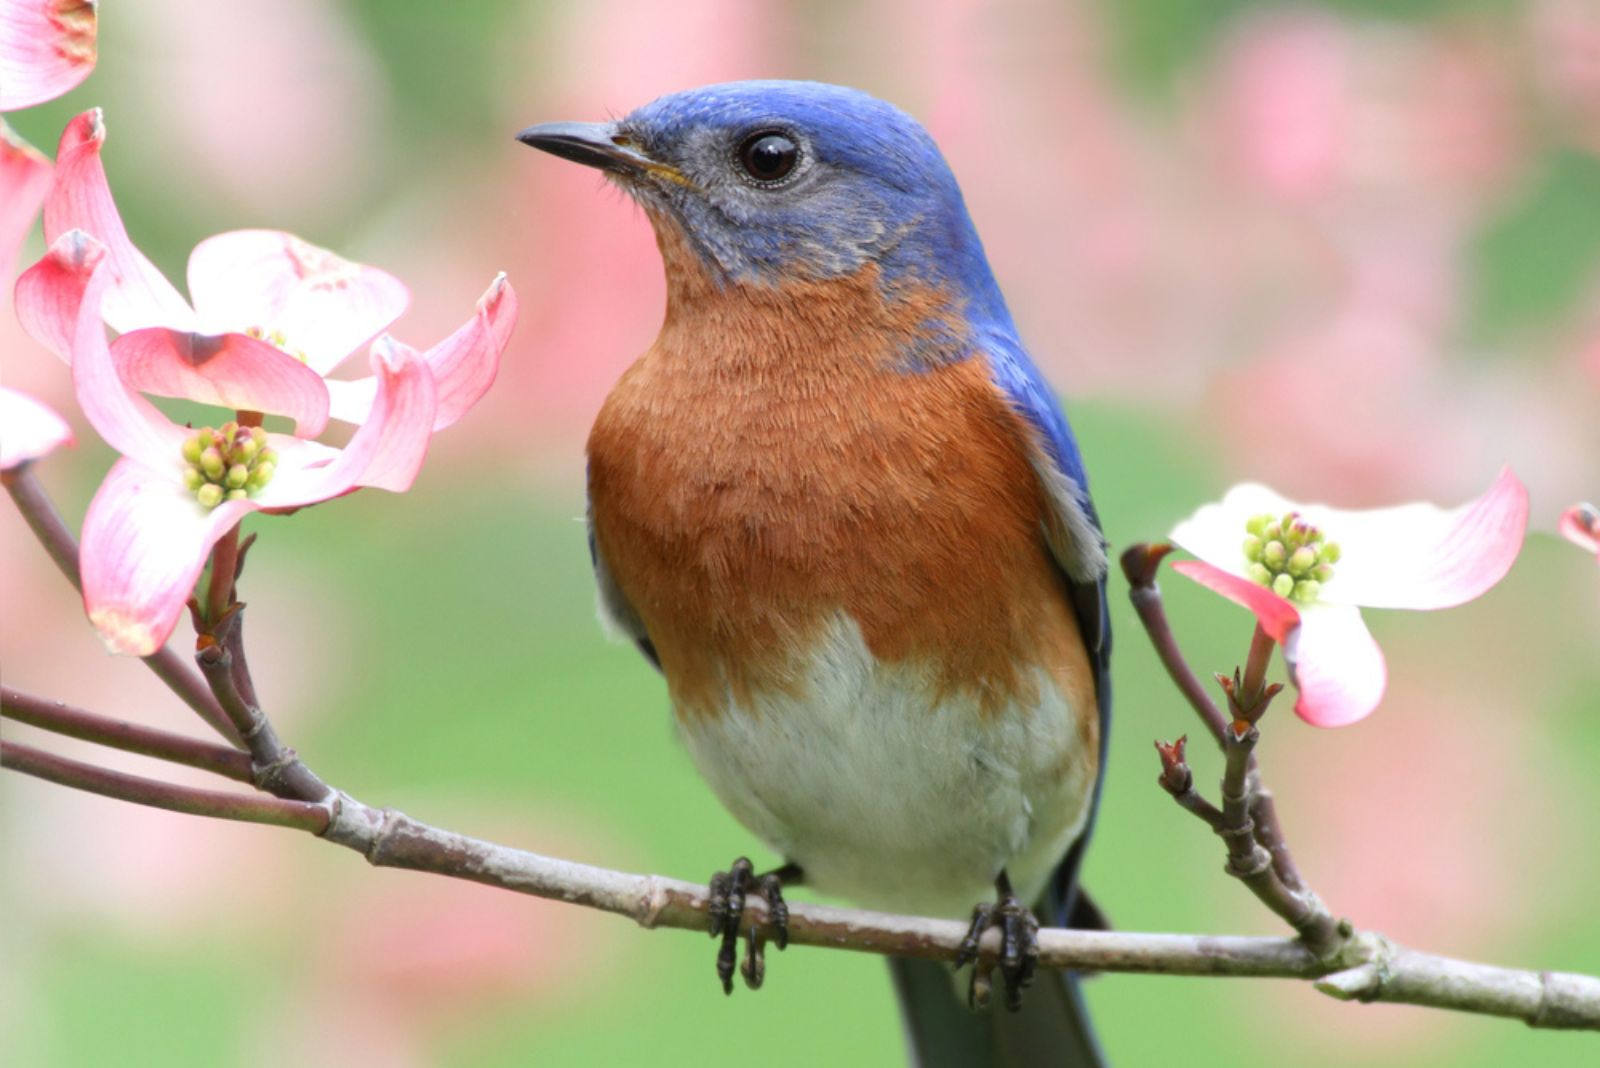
1019	947
728	892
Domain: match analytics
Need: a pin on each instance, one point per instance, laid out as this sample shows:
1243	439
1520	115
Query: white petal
1216	532
1422	556
1407	556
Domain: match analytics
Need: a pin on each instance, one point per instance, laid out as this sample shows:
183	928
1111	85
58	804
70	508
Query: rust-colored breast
769	464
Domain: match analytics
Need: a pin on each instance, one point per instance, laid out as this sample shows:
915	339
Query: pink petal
46	48
402	419
140	295
24	181
386	452
464	364
1277	616
48	294
325	307
228	370
1336	666
58	301
1420	556
1333	661
28	429
145	541
1580	525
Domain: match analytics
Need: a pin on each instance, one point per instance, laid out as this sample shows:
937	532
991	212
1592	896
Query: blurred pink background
1352	255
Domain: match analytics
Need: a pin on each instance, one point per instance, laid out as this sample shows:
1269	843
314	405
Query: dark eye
768	156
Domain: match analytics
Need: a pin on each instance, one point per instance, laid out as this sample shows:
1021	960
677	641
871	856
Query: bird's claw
727	898
1019	950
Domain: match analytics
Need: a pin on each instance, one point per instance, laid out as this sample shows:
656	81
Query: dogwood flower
46	48
1580	525
1305	570
28	429
259	296
177	490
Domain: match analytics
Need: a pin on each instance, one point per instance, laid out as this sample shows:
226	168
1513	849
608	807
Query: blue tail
941	1032
1052	1030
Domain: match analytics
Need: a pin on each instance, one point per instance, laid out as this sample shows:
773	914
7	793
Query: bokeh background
1350	249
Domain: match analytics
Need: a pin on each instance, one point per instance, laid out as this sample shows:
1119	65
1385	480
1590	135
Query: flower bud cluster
228	464
1289	556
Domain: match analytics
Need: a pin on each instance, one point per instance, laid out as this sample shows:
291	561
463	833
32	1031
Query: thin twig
47	526
275	767
1140	564
194	801
224	568
1368	968
1258	854
1178	780
1250	861
243	682
43	519
1253	687
62	718
1269	832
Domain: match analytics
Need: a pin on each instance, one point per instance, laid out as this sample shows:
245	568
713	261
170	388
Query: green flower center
227	464
1289	556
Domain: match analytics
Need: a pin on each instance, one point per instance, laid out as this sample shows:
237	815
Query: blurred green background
1352	252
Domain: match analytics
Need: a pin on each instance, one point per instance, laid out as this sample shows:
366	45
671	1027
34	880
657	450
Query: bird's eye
768	156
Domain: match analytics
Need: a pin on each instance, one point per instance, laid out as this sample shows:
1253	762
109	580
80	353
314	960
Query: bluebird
839	508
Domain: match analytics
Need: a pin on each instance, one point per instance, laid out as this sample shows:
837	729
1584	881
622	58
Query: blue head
771	181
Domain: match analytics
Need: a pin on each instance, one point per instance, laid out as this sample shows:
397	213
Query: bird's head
773	181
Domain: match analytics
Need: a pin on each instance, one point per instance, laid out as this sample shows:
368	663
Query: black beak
593	144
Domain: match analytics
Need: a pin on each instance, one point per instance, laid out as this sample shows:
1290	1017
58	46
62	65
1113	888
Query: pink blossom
175	492
292	311
28	429
46	48
1278	559
1580	525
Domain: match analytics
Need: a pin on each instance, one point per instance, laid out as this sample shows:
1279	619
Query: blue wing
1062	470
1078	546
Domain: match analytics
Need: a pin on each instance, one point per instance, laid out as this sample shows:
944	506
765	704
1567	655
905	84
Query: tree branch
275	767
222	804
1357	965
1251	862
1140	564
1369	967
62	718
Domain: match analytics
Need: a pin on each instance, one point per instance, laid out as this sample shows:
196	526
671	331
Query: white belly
890	797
